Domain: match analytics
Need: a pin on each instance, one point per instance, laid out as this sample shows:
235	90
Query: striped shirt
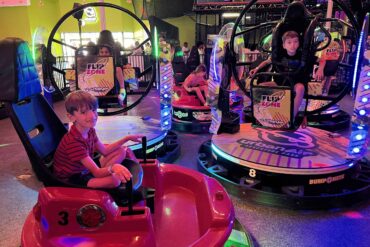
71	150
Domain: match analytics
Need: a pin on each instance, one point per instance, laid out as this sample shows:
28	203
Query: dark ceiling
162	8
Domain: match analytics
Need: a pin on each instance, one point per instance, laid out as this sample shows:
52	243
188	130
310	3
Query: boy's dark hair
290	35
80	100
199	43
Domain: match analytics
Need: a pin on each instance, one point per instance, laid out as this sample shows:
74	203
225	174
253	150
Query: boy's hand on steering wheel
121	172
134	138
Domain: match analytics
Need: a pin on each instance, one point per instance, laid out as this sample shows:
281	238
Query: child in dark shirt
74	156
291	57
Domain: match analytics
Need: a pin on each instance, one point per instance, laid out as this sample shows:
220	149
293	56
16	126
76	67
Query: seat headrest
296	11
297	18
18	74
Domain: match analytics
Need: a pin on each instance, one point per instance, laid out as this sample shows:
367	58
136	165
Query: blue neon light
364	99
362	112
356	150
73	241
368	74
366	87
359	48
214	62
358	137
44	223
150	142
223	154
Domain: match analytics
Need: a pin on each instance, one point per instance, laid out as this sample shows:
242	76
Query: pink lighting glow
13	3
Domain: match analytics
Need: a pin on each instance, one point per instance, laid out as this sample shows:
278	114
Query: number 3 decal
63	218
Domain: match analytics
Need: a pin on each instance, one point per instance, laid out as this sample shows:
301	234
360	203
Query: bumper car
86	217
188	114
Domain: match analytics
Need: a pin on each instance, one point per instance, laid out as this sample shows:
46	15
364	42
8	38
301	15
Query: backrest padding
18	74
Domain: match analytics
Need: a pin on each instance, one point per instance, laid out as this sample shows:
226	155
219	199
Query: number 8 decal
252	173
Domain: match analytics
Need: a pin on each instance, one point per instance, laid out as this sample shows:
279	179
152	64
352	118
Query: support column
103	25
329	13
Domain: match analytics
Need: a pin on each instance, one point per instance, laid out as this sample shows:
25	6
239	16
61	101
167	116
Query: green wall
14	23
186	29
22	21
43	17
116	20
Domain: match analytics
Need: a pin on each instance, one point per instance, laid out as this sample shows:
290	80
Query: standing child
74	156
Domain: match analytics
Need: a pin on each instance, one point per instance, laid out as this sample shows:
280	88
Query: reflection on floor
268	226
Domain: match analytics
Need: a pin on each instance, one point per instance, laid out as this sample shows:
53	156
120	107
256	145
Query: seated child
105	51
73	159
291	57
196	82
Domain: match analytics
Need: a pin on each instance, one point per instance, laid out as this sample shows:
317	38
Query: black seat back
180	69
297	18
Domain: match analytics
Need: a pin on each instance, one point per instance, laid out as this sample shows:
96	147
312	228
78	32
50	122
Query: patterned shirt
71	150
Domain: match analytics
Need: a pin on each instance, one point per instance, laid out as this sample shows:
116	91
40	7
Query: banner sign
95	74
272	106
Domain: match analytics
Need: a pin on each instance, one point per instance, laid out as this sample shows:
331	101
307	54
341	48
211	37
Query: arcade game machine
275	161
99	74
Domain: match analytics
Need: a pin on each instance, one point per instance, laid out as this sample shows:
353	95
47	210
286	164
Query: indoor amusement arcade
155	123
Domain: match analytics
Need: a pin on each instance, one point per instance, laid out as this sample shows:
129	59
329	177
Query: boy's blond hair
80	100
200	68
290	35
